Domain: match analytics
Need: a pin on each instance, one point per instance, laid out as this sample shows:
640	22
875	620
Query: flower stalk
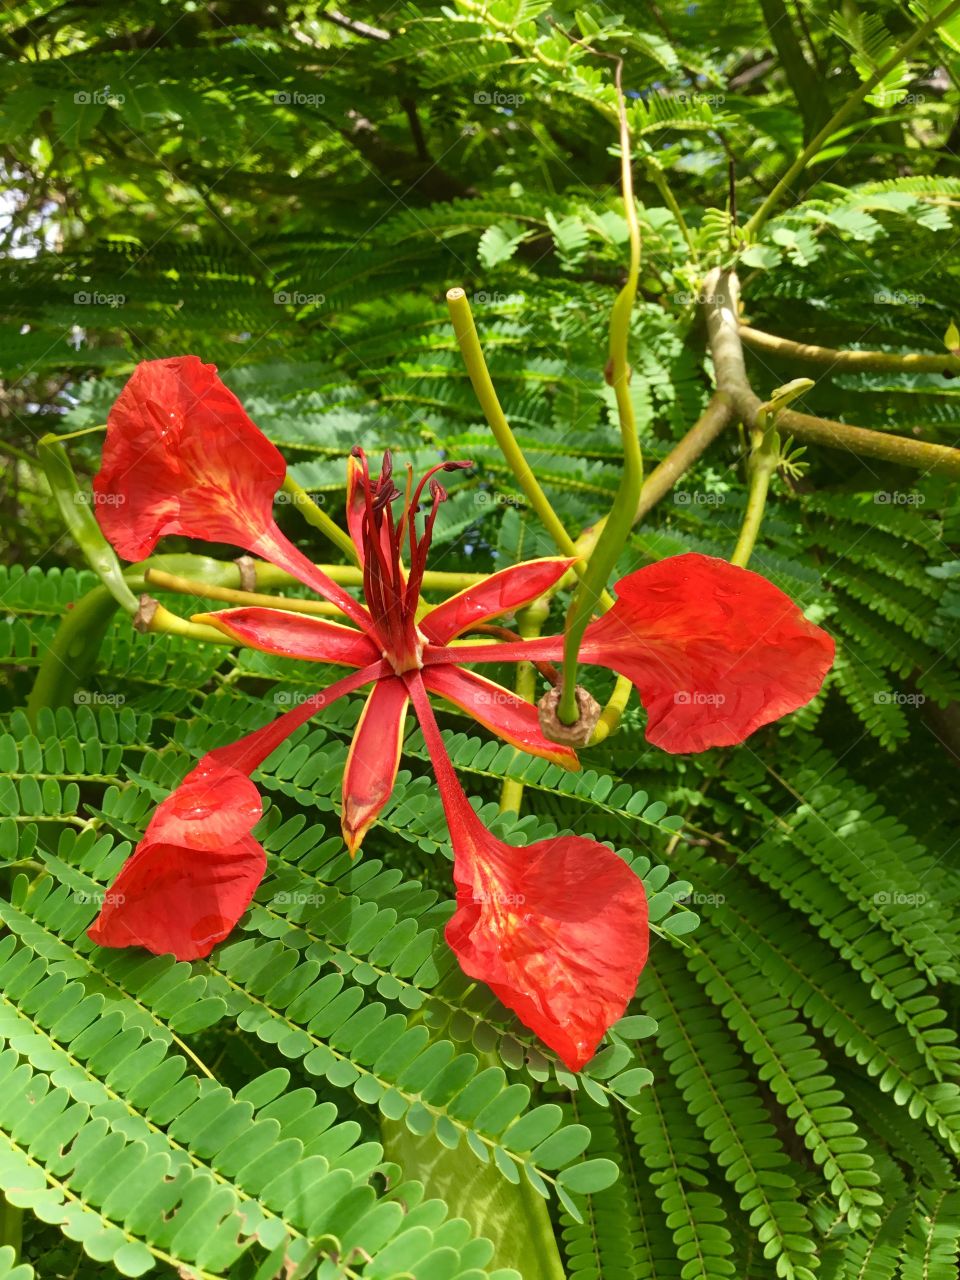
766	456
617	528
230	595
760	467
469	344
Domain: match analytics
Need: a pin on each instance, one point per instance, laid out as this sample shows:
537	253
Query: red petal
557	930
247	753
501	593
213	806
374	758
168	898
714	650
294	635
356	504
182	456
194	872
498	709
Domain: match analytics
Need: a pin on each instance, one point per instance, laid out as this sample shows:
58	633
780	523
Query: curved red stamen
392	595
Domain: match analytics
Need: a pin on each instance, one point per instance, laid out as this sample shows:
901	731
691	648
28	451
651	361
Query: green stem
269	576
529	623
469	344
839	116
761	470
348	575
318	518
11	1227
162	581
72	652
620	520
612	712
83	431
659	180
75	507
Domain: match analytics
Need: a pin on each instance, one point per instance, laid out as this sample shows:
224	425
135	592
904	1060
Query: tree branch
876	361
722	292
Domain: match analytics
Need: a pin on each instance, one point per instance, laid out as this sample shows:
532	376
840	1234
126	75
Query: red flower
557	929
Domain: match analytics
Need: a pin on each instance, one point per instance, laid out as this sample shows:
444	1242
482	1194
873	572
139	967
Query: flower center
392	592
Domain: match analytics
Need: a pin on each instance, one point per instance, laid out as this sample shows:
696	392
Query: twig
721	289
354	25
718	414
876	361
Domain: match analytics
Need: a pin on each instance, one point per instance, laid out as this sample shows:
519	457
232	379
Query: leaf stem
229	595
